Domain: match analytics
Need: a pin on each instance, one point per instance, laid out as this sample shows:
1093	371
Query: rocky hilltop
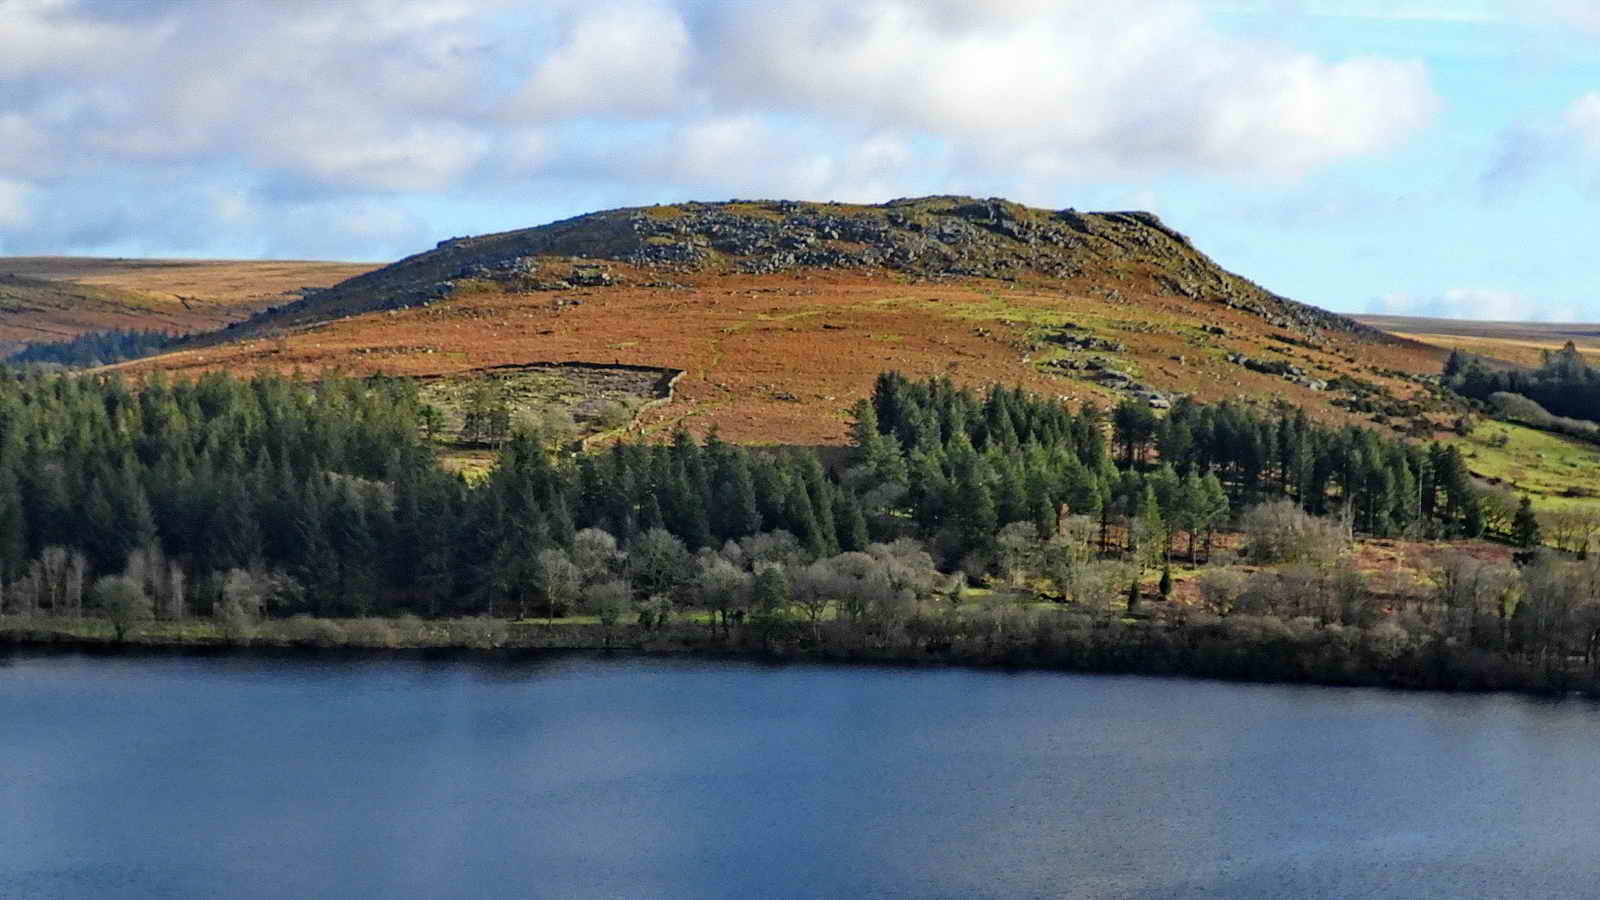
929	237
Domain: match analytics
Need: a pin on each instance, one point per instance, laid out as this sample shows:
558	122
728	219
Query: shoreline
1432	670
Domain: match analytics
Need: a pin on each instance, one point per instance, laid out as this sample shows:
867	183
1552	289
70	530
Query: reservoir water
257	776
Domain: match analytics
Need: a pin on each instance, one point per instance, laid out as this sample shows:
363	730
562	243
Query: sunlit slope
783	313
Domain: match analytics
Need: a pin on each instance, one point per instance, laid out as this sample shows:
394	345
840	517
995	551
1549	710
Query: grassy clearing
1557	472
994	308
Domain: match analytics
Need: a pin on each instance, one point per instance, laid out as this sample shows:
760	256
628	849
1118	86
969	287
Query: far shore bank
1246	649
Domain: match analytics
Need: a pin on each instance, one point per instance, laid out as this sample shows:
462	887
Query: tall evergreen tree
1525	526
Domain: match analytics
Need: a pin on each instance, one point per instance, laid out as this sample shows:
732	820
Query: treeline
95	348
958	454
1564	385
327	493
297	501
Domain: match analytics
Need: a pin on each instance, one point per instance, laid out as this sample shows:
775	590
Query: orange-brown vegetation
780	358
782	313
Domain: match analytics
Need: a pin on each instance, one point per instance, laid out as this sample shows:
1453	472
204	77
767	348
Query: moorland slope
781	313
54	298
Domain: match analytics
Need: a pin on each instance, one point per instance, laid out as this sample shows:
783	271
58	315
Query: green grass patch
788	316
1557	472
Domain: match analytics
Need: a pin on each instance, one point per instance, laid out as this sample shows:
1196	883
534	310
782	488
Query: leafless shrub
1280	531
1220	589
309	631
371	633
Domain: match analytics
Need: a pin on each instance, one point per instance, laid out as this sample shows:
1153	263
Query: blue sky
1431	157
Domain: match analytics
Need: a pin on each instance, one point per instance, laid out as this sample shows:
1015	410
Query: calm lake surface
251	776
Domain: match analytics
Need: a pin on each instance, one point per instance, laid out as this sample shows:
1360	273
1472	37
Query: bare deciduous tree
608	601
1281	531
721	587
177	607
124	602
594	552
52	570
560	581
73	582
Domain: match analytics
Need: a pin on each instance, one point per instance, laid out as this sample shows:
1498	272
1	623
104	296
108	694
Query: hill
934	237
781	313
50	298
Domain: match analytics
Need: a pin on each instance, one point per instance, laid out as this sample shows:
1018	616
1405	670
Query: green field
1557	472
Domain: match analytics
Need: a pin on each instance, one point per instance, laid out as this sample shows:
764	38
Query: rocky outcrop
1282	368
933	237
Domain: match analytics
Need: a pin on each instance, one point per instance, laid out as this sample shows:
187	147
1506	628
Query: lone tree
560	582
607	601
770	599
124	601
1525	526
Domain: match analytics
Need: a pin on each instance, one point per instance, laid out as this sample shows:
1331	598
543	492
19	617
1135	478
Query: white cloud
1484	304
52	35
1583	13
362	96
1476	11
759	158
1581	123
22	145
16	209
1569	139
851	99
376	154
615	61
1091	86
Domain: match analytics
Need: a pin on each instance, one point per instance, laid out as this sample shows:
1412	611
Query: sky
1418	157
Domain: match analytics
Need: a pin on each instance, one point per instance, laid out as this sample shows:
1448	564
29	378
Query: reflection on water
570	777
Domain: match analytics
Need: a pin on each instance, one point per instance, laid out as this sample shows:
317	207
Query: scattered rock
929	238
1087	342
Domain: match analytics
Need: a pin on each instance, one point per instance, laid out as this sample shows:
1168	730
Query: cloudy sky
1413	156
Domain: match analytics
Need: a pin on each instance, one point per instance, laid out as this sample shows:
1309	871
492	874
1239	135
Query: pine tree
1135	425
974	510
1472	521
769	599
1010	492
1188	509
1082	490
821	493
864	431
1525	526
801	519
1150	528
1213	510
743	512
13	527
1041	508
435	563
850	523
771	493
